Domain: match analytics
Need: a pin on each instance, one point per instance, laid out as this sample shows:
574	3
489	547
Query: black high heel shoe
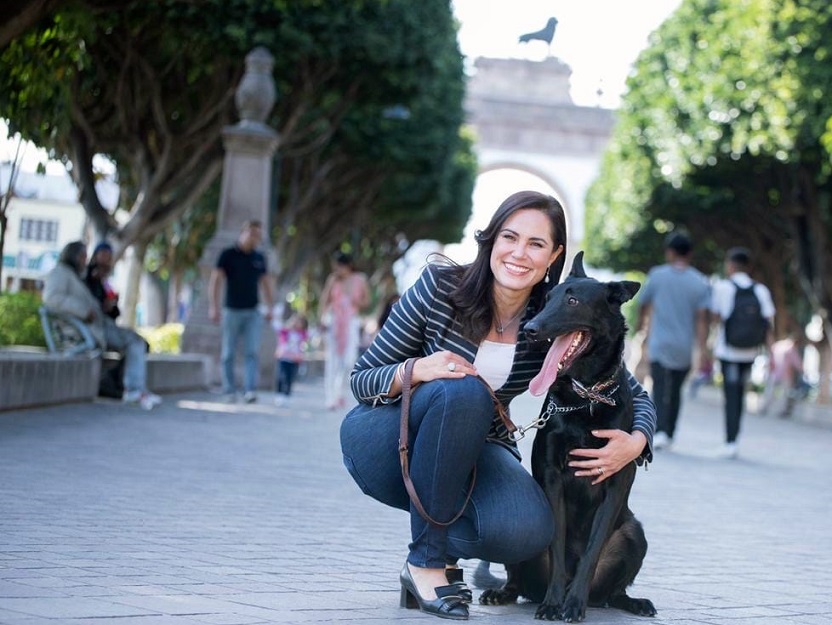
448	603
455	578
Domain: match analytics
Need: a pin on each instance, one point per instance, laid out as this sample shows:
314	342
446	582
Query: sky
598	39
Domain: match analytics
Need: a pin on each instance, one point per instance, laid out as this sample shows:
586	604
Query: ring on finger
600	471
451	367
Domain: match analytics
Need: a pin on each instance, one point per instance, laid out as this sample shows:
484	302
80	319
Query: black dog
599	546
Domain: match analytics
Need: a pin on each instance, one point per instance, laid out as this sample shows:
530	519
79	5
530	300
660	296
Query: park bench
66	334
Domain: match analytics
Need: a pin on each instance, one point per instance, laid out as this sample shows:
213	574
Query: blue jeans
236	323
134	349
286	372
508	518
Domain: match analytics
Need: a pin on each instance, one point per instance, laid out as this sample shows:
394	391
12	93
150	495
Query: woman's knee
524	536
468	394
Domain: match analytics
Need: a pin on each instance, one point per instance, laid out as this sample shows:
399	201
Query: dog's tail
485	579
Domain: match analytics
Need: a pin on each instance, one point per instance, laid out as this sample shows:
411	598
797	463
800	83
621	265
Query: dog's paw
498	596
639	607
547	612
643	607
573	611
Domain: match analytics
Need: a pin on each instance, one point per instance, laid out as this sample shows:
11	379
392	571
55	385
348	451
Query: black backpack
746	327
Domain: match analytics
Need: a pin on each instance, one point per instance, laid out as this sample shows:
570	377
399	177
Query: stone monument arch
524	118
245	195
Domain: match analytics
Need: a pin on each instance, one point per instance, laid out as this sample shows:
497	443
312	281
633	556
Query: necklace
500	327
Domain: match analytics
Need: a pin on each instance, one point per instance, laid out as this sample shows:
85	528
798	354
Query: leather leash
407	387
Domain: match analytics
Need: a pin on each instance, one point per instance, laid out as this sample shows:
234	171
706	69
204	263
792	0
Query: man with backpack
744	312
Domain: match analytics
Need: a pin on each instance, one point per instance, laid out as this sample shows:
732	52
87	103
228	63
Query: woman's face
523	250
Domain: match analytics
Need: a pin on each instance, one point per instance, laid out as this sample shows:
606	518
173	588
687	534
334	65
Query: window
40	230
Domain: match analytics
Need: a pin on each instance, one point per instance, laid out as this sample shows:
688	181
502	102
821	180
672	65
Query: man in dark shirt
243	269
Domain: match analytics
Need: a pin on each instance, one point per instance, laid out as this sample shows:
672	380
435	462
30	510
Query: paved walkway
202	512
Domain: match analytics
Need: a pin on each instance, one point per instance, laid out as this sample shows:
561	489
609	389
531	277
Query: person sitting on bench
65	292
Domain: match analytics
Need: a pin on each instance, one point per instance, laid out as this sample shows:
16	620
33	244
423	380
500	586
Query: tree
121	83
721	131
6	199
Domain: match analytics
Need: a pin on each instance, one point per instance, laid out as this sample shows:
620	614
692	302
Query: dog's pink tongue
549	372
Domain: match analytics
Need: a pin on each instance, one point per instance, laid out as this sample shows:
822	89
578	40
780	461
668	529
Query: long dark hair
473	297
71	255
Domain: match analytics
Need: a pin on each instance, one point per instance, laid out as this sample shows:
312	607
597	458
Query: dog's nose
531	330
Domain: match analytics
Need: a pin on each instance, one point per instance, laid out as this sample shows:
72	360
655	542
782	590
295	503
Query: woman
65	292
460	321
345	294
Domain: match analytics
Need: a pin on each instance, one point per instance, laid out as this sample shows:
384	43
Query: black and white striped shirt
421	323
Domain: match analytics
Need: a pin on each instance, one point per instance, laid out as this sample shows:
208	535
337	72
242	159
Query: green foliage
163	339
721	132
19	320
151	85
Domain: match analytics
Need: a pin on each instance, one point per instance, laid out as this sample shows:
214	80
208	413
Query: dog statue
598	546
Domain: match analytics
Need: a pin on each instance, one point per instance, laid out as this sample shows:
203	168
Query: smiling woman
437	341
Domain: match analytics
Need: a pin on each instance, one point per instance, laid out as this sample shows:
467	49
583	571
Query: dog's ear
578	266
620	292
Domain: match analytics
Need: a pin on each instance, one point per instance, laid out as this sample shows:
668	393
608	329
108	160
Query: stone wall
37	379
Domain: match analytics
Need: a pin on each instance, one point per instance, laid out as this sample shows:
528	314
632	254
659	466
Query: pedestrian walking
243	270
292	339
460	327
785	374
345	295
673	311
743	312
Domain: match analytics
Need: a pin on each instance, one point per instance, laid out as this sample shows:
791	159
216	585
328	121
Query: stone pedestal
244	196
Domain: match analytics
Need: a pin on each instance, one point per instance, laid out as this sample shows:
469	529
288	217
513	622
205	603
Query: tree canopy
369	113
722	132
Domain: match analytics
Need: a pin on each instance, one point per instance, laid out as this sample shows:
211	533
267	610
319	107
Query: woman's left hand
621	449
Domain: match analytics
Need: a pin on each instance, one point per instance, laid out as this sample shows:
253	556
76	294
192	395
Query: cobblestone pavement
202	512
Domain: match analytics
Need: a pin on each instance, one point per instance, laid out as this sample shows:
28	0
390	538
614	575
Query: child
785	373
291	343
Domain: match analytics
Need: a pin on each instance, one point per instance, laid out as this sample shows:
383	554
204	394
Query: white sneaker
131	397
662	441
144	399
281	400
729	451
249	397
153	398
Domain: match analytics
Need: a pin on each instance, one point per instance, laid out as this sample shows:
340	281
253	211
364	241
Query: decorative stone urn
256	94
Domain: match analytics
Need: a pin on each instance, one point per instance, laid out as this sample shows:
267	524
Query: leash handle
407	381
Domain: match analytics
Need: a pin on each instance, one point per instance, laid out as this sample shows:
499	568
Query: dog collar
595	393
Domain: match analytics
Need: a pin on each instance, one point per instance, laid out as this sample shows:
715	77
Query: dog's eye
572	301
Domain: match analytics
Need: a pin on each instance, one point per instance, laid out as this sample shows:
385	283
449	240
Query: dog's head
581	316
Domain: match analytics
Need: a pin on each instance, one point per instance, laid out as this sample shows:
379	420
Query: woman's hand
444	364
621	449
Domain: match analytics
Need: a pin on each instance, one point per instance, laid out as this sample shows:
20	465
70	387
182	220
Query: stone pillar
245	194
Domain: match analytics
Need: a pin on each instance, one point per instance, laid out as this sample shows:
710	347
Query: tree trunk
174	290
4	221
135	266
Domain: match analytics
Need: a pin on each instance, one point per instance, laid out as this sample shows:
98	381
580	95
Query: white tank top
493	362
